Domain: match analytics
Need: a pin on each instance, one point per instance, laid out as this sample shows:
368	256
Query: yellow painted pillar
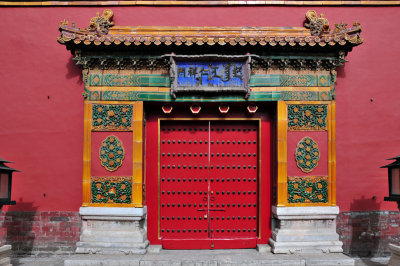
332	152
137	123
87	143
282	197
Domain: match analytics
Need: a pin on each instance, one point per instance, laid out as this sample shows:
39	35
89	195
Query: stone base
112	231
5	254
395	258
154	249
263	248
305	230
306	248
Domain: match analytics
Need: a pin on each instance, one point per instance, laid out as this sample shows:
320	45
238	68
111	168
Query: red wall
42	106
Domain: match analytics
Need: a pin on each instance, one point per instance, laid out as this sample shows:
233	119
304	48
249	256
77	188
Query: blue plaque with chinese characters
199	74
210	74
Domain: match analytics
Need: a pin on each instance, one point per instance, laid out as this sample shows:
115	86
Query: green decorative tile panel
324	80
95	79
110	117
299	96
265	81
305	96
277	80
155	80
298	80
114	189
166	97
133	80
307	117
307	189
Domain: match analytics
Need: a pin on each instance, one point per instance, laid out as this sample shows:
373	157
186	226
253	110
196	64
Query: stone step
210	257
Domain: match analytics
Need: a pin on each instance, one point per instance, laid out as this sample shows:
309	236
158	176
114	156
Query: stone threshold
58	260
210	257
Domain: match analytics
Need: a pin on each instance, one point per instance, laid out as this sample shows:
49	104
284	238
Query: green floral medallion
307	116
307	154
310	189
111	189
111	153
111	117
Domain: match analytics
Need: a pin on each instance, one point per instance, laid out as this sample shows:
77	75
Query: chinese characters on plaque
210	74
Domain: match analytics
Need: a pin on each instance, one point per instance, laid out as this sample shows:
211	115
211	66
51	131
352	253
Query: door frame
265	172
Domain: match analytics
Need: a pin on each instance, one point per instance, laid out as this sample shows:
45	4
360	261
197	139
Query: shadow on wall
340	72
19	228
39	232
73	70
368	233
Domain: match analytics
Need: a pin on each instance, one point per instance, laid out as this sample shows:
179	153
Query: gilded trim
201	3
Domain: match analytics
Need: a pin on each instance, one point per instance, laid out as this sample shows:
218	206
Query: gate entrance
209	175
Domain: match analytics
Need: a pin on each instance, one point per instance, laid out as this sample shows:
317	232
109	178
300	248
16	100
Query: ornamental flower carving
307	154
111	153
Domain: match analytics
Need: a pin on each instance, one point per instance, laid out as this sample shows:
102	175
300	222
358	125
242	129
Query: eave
102	32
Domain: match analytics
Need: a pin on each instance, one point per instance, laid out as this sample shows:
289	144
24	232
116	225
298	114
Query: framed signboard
210	74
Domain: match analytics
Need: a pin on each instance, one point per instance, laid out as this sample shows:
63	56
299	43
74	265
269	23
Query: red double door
208	184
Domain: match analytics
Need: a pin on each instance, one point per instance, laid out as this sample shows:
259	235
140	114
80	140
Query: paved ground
199	258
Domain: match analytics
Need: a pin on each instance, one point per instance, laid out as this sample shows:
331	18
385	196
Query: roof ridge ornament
317	32
317	25
101	24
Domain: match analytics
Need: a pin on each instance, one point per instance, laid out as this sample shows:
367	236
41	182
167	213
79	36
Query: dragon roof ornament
101	31
317	25
101	24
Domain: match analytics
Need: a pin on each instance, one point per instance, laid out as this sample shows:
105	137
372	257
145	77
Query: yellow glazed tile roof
316	32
